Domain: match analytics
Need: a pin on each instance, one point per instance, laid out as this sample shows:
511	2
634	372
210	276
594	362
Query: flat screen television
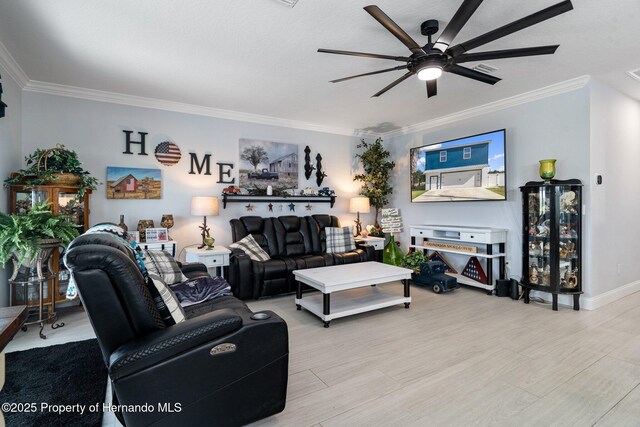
466	169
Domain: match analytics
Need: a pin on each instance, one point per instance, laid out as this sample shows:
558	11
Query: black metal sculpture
319	172
308	168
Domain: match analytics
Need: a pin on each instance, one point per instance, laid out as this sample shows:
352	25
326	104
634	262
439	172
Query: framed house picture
134	236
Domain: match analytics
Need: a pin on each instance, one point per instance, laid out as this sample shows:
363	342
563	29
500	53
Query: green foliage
21	233
414	260
377	171
254	155
59	160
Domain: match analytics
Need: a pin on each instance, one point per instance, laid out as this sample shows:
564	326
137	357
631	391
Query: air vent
289	3
634	74
484	68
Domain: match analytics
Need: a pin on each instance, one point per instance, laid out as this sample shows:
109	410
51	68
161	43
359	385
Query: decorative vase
547	168
391	254
143	224
209	241
122	224
167	221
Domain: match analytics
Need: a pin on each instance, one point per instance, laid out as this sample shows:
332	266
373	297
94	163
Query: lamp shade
205	206
359	205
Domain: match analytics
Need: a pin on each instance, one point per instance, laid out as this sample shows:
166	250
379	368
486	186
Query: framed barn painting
264	163
133	183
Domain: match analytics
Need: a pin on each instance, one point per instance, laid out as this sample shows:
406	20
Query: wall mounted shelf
244	198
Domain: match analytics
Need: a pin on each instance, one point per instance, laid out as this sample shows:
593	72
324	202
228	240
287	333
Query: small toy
326	191
232	189
433	273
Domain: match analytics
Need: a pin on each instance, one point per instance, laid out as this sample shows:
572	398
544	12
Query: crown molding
13	69
160	104
534	95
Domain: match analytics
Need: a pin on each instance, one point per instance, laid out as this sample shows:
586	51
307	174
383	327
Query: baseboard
608	297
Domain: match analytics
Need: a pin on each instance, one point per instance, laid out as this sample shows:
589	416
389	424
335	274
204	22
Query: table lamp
205	205
357	205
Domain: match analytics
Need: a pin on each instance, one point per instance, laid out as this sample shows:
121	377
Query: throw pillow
339	240
162	264
251	248
201	289
166	302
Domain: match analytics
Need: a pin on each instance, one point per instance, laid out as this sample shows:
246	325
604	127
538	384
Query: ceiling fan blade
507	53
464	12
518	25
472	74
432	88
396	82
365	55
394	29
401	67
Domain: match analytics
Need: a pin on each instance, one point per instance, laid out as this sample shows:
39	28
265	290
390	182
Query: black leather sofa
223	366
293	243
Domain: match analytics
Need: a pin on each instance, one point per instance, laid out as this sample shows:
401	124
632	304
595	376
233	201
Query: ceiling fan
430	60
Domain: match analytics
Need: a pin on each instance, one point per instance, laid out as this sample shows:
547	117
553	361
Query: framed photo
134	235
264	163
133	183
156	235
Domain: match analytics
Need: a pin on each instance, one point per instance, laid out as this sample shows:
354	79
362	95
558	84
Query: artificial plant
21	234
377	172
414	260
45	164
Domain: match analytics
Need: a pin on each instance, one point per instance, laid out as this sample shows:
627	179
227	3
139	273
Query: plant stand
31	280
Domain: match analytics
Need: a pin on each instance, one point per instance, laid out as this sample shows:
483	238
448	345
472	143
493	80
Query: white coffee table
354	286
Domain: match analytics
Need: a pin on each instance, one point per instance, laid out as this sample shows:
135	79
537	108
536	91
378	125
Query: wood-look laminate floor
458	359
463	358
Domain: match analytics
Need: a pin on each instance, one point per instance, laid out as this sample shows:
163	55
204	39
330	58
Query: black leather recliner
293	243
221	366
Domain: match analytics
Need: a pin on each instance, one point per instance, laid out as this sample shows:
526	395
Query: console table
482	238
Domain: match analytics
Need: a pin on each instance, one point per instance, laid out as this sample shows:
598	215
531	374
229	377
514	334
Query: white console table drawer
214	259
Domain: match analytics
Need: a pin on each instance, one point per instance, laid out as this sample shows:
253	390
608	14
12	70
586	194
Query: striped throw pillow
166	301
339	240
250	247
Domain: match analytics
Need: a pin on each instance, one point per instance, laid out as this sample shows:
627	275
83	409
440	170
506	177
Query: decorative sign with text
450	247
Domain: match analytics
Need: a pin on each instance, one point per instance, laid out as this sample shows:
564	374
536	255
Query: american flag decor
168	153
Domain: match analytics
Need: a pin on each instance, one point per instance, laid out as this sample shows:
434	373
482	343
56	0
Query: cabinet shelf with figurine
552	242
63	200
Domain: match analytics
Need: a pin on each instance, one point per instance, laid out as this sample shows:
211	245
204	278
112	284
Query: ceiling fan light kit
429	62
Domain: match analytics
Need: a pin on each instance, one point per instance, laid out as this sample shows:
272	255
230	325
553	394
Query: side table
11	320
376	242
214	258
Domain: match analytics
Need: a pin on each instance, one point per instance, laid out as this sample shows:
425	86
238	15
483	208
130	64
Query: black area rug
66	374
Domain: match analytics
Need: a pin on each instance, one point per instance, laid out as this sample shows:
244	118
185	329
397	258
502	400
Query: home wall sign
169	154
2	104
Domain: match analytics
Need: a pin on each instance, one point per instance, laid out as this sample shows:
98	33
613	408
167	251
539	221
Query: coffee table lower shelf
350	302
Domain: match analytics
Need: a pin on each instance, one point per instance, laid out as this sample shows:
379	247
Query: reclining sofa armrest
193	269
166	343
241	274
368	249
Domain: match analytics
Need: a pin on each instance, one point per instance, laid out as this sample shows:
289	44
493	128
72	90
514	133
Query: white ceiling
259	56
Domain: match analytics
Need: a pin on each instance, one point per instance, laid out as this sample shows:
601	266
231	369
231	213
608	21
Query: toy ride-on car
433	274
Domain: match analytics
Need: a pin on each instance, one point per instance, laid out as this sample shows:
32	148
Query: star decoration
249	207
308	206
270	206
292	207
280	207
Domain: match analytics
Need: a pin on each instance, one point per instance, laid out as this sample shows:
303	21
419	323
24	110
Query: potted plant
376	175
414	260
57	165
22	235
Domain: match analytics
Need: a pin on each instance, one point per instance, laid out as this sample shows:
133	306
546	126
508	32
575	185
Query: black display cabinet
552	239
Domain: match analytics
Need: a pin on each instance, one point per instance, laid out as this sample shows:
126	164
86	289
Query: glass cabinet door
569	243
539	236
73	208
25	198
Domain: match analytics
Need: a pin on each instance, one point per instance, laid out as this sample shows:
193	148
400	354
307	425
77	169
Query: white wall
10	152
614	243
94	130
554	127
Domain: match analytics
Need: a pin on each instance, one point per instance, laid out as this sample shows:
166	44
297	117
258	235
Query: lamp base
358	225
